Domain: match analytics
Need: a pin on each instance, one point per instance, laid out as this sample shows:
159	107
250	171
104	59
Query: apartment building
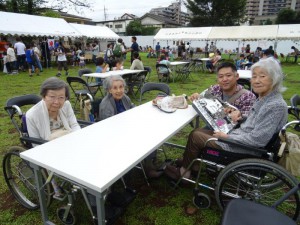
261	10
172	12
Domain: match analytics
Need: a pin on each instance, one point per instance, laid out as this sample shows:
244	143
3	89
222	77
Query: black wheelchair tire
70	220
19	187
229	180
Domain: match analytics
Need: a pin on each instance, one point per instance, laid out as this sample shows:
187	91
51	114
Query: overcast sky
116	8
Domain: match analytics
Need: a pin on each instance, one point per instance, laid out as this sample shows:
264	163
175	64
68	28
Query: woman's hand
194	96
219	134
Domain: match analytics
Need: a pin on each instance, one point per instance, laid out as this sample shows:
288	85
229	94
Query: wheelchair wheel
201	200
252	179
68	219
19	177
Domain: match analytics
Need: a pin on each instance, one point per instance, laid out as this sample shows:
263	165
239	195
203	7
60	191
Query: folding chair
136	81
184	71
93	85
241	211
80	88
163	74
245	83
155	86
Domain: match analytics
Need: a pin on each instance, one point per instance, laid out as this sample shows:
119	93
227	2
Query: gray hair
53	83
107	83
273	69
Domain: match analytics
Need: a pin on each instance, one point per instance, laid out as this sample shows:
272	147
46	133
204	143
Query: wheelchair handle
289	124
15	107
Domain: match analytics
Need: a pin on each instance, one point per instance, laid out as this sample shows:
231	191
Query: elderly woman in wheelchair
266	118
53	116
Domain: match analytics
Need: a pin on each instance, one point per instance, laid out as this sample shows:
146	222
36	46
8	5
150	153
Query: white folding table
98	155
245	74
112	73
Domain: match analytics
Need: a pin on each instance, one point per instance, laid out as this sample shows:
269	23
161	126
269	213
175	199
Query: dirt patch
9	202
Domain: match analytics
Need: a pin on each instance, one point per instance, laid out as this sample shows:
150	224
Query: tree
286	16
134	28
216	12
268	22
36	7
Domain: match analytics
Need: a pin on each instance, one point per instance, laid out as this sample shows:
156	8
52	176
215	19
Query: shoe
154	173
58	74
67	73
178	162
38	74
173	172
30	75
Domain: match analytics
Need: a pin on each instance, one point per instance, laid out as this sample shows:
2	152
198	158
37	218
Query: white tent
288	32
28	25
100	32
185	34
246	33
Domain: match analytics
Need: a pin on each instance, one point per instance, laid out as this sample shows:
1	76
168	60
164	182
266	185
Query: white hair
107	83
273	69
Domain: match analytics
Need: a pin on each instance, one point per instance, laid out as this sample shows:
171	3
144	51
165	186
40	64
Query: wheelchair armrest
247	148
33	140
83	123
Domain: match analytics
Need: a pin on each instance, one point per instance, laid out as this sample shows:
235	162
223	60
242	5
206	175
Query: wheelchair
251	174
20	179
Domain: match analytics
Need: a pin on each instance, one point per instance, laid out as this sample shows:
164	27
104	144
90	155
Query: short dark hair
120	40
134	38
54	83
268	52
100	61
136	55
227	65
293	47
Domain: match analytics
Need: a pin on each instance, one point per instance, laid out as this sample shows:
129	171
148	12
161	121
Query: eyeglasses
54	98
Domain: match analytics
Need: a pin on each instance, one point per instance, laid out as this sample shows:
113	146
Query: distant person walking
21	57
134	48
157	50
296	53
61	60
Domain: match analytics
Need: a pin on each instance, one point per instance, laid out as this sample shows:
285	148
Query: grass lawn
158	204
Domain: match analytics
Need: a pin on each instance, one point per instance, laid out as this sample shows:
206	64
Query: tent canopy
288	32
28	25
101	32
247	33
189	33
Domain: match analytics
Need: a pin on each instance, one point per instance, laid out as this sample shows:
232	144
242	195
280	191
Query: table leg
41	194
100	206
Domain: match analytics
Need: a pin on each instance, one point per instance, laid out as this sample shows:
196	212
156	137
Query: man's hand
194	96
234	114
219	134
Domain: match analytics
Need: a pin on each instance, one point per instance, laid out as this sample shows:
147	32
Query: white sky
116	8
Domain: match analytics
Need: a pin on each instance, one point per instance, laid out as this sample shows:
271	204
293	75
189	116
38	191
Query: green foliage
51	13
36	7
216	12
134	28
149	30
287	16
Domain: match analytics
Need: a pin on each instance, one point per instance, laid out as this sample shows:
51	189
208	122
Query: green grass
158	204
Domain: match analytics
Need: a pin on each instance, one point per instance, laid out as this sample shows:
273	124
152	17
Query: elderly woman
267	116
116	101
53	116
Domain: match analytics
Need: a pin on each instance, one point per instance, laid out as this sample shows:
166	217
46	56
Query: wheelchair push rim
19	177
252	179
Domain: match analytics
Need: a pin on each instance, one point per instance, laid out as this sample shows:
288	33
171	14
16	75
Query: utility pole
105	14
